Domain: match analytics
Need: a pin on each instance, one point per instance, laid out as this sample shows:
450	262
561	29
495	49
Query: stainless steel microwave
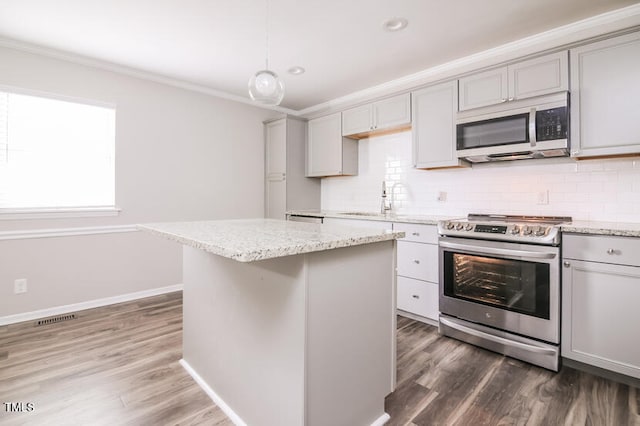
516	130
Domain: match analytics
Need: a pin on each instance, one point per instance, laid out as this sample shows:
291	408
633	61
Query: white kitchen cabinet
605	97
434	128
417	261
601	289
286	187
384	116
328	153
525	79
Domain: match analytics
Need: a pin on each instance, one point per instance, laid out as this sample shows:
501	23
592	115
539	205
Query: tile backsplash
603	190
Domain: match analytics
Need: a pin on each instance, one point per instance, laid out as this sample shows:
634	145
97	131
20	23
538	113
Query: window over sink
56	154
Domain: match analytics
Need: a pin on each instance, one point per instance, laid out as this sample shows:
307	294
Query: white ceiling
219	44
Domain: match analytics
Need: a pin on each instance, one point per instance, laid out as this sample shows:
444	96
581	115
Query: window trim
70	211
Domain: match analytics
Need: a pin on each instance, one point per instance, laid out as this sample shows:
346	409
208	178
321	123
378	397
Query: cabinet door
417	297
434	127
324	146
357	120
484	88
600	315
605	97
393	112
539	76
275	169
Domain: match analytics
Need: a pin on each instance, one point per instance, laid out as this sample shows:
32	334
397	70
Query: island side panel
244	333
351	326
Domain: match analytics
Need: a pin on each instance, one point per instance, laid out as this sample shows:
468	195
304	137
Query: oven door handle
496	339
498	251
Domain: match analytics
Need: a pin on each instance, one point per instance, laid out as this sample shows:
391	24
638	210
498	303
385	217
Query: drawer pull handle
415	296
415	234
416	261
566	264
611	251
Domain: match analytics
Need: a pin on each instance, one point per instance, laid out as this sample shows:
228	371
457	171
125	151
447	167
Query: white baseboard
380	421
65	309
214	396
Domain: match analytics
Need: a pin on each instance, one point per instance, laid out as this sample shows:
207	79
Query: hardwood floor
442	381
118	365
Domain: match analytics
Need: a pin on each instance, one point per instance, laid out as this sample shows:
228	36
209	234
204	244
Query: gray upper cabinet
434	131
605	97
328	153
286	187
382	116
526	79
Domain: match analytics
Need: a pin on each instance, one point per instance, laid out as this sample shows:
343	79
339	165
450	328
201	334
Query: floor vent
53	320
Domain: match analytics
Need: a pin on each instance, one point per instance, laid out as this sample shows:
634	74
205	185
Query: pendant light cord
266	61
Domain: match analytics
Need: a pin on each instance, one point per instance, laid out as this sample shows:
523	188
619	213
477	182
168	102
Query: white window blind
55	153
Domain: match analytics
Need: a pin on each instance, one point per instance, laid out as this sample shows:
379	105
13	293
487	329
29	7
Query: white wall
605	190
180	155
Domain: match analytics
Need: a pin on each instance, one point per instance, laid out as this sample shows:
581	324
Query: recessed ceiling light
395	24
297	70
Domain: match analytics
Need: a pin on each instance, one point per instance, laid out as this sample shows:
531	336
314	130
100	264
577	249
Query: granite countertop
392	217
621	229
247	240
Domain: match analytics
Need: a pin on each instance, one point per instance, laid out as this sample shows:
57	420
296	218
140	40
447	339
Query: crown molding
595	26
599	25
132	72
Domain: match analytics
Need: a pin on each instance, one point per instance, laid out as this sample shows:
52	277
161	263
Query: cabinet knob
415	234
510	99
416	261
503	100
415	296
566	264
611	251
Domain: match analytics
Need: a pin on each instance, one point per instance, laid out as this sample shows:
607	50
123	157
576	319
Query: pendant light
265	86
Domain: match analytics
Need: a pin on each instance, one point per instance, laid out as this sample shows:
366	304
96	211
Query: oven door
508	286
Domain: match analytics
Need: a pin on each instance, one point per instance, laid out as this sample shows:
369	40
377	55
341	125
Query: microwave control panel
551	124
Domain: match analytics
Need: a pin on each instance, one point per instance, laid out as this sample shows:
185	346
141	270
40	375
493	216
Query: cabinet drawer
605	249
417	260
418	233
418	297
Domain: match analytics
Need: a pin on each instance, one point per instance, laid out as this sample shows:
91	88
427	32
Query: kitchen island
289	323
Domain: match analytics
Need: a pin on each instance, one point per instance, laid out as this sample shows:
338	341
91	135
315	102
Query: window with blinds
55	153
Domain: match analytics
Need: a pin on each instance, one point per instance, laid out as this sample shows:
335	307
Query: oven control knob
526	230
515	230
541	231
468	227
450	225
459	227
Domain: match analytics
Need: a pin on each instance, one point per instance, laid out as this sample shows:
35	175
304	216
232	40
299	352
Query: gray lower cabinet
600	294
605	97
286	187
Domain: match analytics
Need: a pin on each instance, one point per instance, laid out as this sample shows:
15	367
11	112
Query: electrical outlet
20	286
543	197
442	196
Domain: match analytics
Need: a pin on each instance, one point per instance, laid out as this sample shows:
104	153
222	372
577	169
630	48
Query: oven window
497	131
514	285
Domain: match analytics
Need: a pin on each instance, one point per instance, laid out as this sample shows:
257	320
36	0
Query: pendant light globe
266	87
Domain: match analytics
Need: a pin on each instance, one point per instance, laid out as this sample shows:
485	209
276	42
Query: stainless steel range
500	284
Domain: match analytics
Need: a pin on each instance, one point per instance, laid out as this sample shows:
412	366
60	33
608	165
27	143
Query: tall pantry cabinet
286	187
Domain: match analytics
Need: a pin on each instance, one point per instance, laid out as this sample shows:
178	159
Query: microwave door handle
498	251
532	127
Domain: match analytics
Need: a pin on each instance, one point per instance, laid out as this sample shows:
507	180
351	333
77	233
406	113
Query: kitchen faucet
385	206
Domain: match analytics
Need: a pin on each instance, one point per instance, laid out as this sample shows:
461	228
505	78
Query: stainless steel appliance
517	130
500	284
